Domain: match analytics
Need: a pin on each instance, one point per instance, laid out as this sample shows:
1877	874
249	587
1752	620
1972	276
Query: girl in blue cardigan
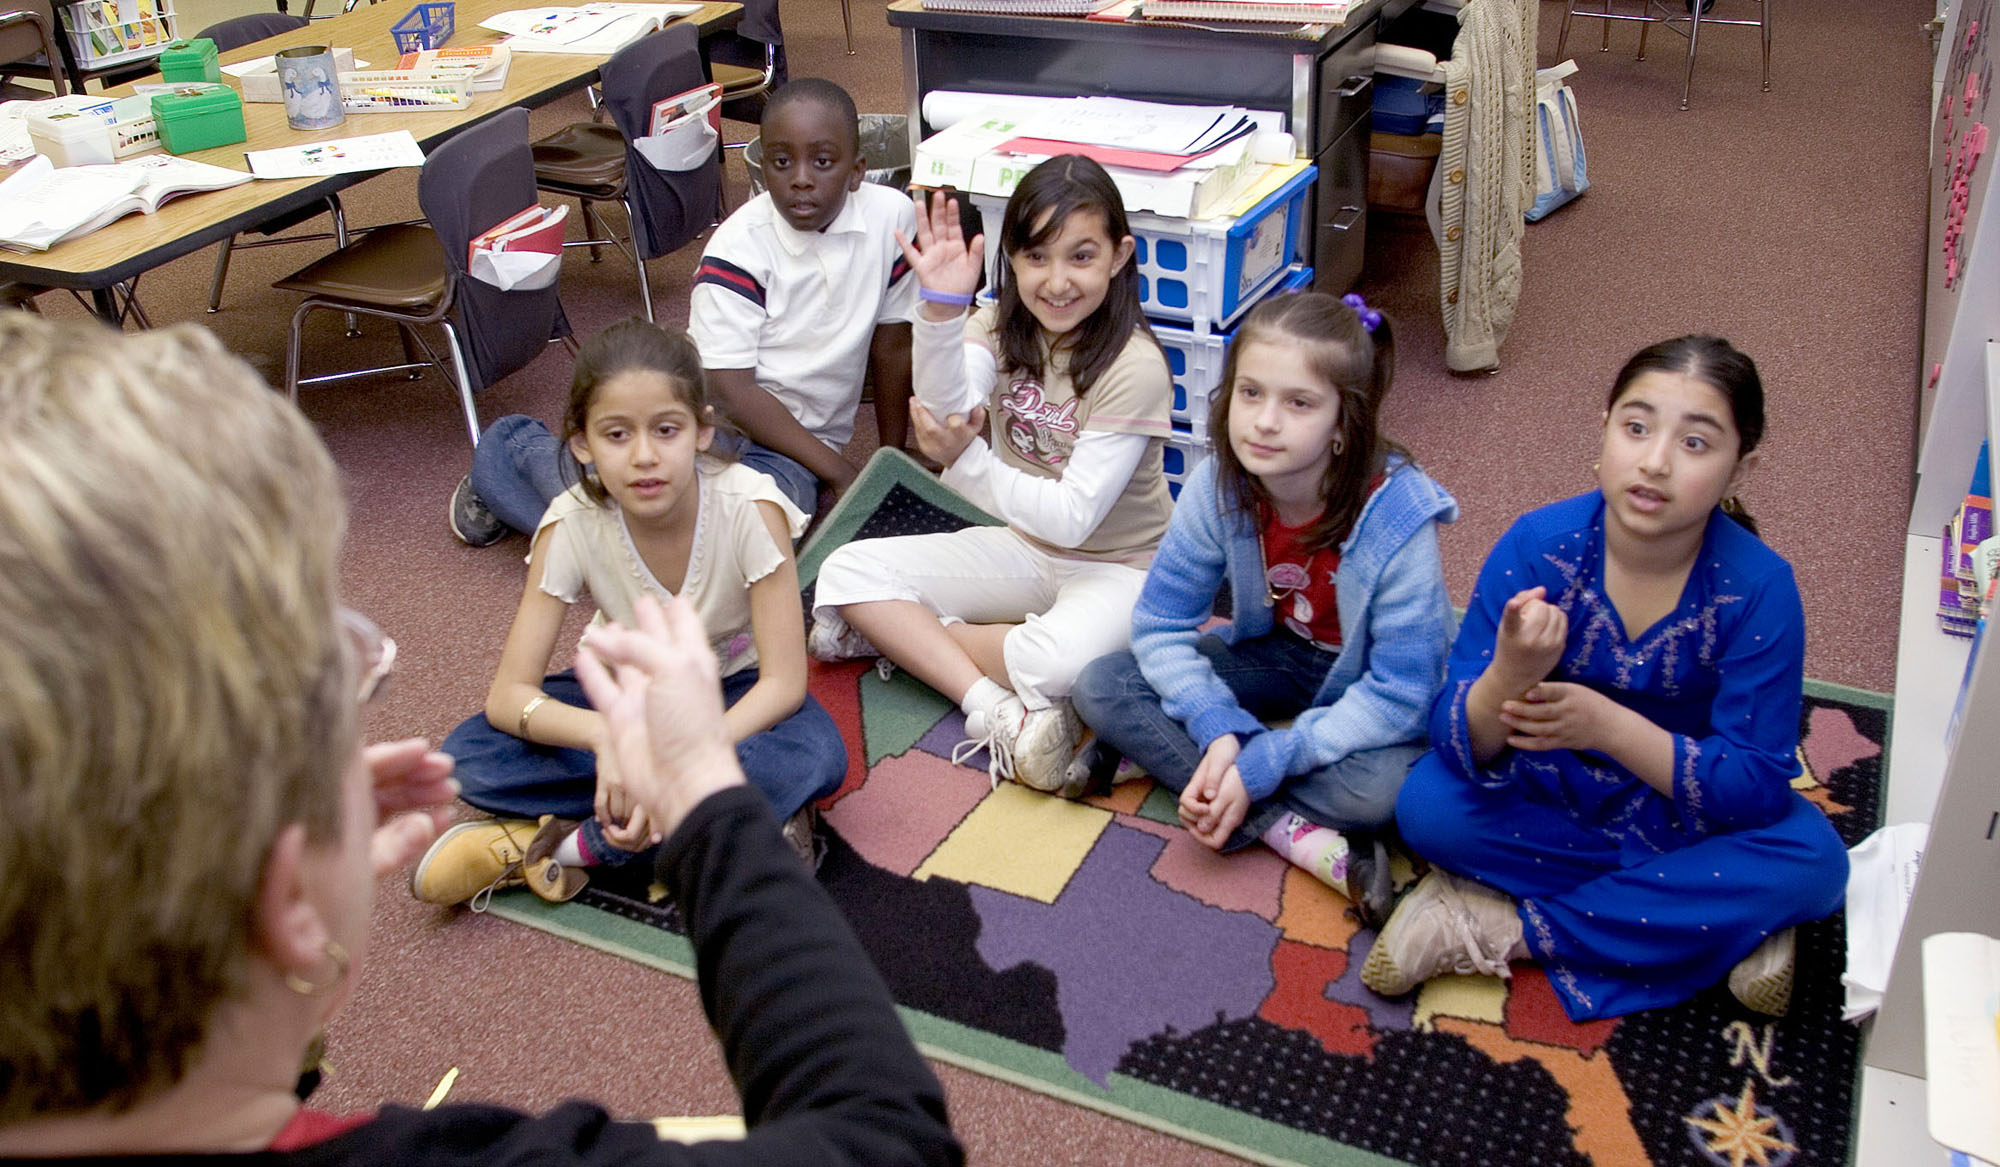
1326	533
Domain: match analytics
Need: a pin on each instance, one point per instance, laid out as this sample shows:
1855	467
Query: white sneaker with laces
832	639
993	728
1047	743
1445	925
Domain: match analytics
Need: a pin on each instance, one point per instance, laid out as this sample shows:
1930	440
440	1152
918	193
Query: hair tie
955	299
1370	318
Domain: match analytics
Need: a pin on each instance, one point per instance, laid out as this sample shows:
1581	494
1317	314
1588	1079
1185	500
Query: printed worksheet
339	156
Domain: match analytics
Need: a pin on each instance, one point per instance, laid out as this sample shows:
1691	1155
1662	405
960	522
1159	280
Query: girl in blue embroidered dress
1618	731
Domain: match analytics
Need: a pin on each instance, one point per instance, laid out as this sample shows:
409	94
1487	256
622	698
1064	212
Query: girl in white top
653	515
1003	618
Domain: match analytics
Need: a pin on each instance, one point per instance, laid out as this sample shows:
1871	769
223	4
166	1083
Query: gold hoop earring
335	955
1339	445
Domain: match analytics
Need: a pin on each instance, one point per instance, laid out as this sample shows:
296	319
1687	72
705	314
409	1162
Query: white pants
1070	611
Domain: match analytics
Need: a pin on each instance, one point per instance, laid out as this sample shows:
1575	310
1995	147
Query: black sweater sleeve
825	1068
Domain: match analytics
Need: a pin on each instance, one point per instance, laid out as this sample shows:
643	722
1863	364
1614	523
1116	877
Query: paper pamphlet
1961	1045
1881	876
338	156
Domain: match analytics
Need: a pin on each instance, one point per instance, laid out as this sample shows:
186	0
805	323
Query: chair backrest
670	207
470	183
28	27
760	22
243	30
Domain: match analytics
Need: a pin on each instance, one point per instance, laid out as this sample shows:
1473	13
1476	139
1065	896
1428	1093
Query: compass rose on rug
1739	1132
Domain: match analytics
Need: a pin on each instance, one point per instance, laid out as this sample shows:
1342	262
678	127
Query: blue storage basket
427	26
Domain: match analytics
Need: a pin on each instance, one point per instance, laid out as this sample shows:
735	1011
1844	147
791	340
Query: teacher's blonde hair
174	690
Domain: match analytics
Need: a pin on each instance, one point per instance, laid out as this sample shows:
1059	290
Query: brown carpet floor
1791	222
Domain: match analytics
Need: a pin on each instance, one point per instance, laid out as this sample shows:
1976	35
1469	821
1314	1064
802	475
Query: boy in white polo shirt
800	293
804	290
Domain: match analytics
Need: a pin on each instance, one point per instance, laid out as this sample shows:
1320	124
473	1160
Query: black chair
234	34
749	61
28	29
414	274
596	163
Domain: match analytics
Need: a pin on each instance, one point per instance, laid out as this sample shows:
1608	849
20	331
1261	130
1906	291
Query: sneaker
832	639
1370	885
1445	925
1763	979
543	875
1045	746
1096	769
474	525
472	860
995	730
800	834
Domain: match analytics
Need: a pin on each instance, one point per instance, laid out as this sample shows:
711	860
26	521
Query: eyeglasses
374	653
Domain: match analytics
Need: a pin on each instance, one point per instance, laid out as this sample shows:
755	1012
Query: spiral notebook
1274	11
1016	7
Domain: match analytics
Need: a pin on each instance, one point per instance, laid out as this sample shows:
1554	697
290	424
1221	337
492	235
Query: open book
41	205
1272	11
596	29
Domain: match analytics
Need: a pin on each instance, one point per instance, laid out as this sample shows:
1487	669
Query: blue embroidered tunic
1633	899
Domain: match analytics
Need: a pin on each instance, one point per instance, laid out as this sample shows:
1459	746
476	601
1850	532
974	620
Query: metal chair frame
49	50
439	314
1687	24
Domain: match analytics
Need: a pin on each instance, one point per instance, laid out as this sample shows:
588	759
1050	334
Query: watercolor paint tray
402	90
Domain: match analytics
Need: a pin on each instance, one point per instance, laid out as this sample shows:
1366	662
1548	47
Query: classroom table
1322	81
138	243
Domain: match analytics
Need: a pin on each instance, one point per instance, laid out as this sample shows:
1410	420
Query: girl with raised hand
1326	533
1610	792
1001	619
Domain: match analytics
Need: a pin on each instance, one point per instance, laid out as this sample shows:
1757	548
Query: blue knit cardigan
1395	626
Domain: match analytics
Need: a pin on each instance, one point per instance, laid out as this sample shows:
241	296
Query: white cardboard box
261	83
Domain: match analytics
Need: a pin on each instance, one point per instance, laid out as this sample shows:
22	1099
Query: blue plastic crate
1202	273
1194	359
1182	453
427	26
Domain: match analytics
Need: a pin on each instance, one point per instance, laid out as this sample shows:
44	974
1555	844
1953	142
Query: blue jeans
1273	677
796	761
520	467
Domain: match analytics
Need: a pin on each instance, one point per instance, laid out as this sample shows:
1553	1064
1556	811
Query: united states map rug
1096	952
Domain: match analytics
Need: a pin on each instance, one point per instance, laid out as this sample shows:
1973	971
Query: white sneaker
1445	925
1763	979
833	639
1047	743
994	729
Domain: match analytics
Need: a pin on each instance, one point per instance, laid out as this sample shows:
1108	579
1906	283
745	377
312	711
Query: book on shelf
1959	593
1273	11
42	205
487	63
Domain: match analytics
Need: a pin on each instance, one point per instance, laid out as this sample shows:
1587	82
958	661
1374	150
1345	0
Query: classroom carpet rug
1096	952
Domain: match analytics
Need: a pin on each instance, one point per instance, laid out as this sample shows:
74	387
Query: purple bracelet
955	299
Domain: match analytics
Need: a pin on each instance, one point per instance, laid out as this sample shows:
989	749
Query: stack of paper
1269	11
1180	161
